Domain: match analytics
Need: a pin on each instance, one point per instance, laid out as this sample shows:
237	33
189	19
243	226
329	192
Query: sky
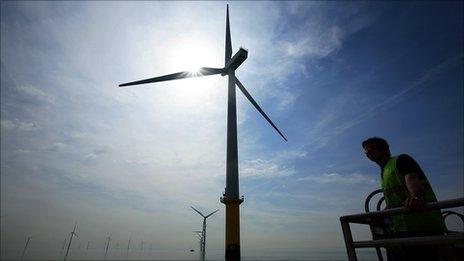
129	162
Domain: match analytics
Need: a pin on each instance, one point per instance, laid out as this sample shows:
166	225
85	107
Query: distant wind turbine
203	231
231	197
25	246
128	247
107	246
73	233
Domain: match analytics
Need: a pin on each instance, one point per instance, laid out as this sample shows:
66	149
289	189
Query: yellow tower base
232	228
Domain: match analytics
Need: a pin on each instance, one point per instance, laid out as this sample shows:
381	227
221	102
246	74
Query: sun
190	54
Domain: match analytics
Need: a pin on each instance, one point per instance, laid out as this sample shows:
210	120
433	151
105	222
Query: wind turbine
230	197
107	246
87	248
128	246
73	233
203	231
25	246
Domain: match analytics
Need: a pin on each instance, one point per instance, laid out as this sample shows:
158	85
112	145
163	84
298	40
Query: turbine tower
73	233
203	232
25	246
231	197
107	246
128	247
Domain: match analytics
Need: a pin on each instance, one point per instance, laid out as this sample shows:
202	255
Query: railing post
348	240
368	218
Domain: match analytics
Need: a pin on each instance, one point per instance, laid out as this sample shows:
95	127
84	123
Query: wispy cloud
335	113
282	49
320	33
29	95
18	125
259	168
57	146
351	178
419	83
32	93
316	44
274	165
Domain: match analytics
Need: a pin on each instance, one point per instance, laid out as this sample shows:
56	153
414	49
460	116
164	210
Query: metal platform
371	218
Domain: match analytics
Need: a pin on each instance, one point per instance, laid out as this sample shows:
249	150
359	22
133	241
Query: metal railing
372	217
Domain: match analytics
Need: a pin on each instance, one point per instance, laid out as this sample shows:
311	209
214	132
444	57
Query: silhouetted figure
405	184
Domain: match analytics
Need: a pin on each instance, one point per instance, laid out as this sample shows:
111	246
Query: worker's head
376	149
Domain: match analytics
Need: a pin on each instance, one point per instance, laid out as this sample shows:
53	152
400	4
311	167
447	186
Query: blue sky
130	161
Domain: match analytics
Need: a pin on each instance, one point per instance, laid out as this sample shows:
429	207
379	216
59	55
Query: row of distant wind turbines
74	234
201	235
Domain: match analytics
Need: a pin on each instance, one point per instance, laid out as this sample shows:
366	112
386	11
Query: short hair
378	142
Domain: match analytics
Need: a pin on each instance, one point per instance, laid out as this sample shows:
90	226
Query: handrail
368	218
427	240
450	203
369	197
366	208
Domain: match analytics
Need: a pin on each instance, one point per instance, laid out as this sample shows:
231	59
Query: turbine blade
247	94
228	53
212	213
197	211
204	71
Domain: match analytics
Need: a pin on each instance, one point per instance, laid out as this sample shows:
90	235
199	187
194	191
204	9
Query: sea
183	254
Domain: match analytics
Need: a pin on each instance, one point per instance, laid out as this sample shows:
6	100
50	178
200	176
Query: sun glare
190	54
194	69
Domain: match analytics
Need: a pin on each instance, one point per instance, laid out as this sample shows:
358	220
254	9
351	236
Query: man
404	184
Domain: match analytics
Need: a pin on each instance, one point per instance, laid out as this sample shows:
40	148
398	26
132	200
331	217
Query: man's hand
414	202
416	191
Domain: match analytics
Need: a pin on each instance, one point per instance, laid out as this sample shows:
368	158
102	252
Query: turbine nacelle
234	62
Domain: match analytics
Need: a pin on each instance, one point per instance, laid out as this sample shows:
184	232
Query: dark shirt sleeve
406	164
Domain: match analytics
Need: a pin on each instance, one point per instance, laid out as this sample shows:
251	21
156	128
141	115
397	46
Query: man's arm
413	175
416	191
